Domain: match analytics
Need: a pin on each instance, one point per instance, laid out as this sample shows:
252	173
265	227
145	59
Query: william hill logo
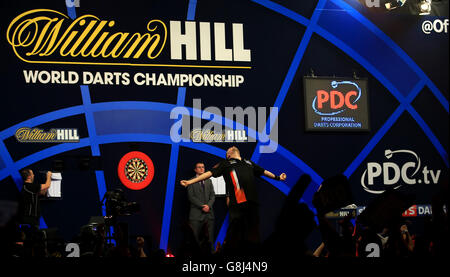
199	135
48	36
26	134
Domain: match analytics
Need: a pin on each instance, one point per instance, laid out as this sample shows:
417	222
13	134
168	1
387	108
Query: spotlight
425	7
391	5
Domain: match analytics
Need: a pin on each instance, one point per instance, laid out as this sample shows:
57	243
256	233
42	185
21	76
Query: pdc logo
394	175
337	101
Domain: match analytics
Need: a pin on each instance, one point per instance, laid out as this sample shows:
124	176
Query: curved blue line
298	54
168	202
389	86
101	185
372	27
382	131
51	151
128	105
415	91
95	149
109	106
121	105
374	141
441	98
117	138
294	16
155	106
283	10
172	174
205	148
386	83
300	164
9	163
404	101
117	105
191	9
281	186
288	80
42	224
322	32
223	230
429	134
84	142
71	11
136	137
287	13
361	60
106	139
41	119
163	106
131	105
86	96
354	13
400	52
296	60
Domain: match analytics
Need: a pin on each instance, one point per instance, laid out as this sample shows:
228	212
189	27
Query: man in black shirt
30	196
239	175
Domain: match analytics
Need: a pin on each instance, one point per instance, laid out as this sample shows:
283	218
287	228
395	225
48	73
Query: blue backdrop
407	72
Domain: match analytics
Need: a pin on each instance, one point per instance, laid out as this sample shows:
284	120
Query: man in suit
202	196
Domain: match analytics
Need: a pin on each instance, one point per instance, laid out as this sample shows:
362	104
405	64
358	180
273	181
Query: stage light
425	7
391	5
168	255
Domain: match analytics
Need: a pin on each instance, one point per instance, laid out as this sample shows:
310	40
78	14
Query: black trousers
243	231
200	226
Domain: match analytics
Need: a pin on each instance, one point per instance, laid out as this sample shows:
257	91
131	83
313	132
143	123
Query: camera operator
31	191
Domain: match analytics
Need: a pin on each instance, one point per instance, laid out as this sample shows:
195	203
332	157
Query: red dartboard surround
136	170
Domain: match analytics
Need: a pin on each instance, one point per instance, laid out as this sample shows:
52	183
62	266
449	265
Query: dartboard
136	170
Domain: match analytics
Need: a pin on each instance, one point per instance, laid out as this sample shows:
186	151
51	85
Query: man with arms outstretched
239	175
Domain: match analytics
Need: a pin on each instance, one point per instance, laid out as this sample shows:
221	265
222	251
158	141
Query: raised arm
200	178
46	185
269	174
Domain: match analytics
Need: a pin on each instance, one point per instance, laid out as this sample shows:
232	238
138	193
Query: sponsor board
334	104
